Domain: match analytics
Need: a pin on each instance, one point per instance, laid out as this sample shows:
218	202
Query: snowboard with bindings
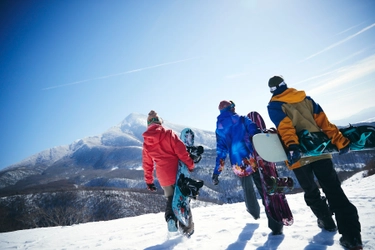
313	143
186	187
278	184
276	204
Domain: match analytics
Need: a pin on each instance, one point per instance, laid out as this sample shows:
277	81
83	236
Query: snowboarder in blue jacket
233	138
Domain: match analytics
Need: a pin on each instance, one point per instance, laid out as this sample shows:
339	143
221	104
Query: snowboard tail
181	203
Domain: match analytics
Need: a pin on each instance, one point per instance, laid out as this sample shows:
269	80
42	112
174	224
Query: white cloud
345	59
345	75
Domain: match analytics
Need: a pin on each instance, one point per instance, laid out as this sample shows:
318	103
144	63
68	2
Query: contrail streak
118	74
340	42
353	27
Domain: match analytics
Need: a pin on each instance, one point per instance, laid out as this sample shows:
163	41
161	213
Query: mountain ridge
119	147
127	133
365	116
114	159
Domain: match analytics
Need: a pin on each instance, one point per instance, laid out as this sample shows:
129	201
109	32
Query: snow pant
168	193
251	201
346	213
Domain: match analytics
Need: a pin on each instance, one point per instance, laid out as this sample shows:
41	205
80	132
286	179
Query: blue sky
74	68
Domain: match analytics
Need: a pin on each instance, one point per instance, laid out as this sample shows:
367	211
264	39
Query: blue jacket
233	137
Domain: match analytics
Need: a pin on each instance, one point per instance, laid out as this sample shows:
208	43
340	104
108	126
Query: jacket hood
227	119
154	134
290	95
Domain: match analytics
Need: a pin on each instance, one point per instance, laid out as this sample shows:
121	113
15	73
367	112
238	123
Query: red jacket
164	148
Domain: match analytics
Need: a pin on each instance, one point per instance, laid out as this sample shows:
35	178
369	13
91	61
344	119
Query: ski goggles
232	105
272	89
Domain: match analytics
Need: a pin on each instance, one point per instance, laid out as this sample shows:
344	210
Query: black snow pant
250	199
168	193
346	213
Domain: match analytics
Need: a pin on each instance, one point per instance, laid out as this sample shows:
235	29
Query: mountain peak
136	119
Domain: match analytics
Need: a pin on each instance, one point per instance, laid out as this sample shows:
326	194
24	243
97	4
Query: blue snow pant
346	213
251	201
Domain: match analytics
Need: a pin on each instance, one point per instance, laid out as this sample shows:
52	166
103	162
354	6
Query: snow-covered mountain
126	135
365	116
113	160
94	159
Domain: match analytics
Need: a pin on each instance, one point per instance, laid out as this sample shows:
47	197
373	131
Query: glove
215	179
151	187
344	150
294	154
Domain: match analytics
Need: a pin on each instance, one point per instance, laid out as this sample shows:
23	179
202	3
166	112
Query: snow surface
216	227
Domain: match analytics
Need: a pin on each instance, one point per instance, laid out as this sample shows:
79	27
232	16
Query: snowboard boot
189	187
277	232
322	211
327	223
172	224
351	243
170	218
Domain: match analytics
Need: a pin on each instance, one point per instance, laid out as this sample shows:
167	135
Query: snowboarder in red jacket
162	149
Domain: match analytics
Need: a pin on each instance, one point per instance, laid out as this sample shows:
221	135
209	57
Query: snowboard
278	184
186	187
275	202
313	144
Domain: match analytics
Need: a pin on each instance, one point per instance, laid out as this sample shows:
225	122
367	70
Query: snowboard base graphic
186	188
181	202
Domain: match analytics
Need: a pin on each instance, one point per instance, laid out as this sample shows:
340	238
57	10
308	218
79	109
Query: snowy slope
216	227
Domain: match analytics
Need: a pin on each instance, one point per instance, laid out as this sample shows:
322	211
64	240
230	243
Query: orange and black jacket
292	111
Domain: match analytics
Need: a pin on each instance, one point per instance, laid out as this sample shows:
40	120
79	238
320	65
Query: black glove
151	187
344	150
215	179
294	154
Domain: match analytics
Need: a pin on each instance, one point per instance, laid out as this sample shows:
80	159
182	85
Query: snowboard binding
278	185
315	143
360	137
195	153
189	187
